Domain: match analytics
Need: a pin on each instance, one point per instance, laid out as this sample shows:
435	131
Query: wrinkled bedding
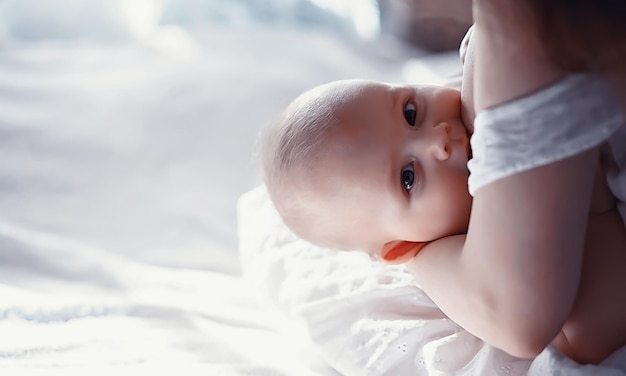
120	167
127	137
68	306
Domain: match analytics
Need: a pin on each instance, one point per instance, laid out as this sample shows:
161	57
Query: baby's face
396	166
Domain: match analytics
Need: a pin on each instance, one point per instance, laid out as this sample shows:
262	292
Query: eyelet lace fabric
365	318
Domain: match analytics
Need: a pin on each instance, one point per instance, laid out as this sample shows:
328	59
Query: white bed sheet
122	156
125	143
70	307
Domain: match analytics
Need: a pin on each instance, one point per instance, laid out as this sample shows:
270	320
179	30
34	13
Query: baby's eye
410	113
407	176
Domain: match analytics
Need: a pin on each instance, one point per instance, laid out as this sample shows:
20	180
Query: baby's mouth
467	118
467	123
461	135
468	147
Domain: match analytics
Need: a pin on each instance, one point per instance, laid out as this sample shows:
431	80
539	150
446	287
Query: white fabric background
127	131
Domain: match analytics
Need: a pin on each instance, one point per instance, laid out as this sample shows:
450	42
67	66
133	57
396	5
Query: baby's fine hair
293	143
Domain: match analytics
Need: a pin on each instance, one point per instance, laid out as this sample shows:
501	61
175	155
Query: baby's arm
514	281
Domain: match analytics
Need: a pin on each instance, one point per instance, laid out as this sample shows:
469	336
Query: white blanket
120	166
126	132
369	319
67	307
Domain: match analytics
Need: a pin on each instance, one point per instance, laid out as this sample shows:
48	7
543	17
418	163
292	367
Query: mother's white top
564	119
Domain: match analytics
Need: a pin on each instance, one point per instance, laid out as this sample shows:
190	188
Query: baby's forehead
345	90
348	93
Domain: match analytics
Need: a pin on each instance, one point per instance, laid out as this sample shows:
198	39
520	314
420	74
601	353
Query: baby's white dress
566	118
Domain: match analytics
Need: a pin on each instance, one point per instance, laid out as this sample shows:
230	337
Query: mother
514	279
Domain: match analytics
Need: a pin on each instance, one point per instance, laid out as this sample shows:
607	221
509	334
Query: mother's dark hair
582	35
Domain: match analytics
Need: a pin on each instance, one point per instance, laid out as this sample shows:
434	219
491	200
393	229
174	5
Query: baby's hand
400	251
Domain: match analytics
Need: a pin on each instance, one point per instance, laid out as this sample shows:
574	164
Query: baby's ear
400	251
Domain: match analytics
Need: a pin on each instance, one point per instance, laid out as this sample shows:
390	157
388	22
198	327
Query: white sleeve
557	122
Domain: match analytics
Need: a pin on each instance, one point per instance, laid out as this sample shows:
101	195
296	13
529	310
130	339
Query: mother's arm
513	279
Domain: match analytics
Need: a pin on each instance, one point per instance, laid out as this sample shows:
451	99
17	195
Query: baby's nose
440	147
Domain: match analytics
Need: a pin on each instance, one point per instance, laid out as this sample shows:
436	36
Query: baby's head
362	165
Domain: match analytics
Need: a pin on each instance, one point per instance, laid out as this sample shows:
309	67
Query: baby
361	164
382	168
